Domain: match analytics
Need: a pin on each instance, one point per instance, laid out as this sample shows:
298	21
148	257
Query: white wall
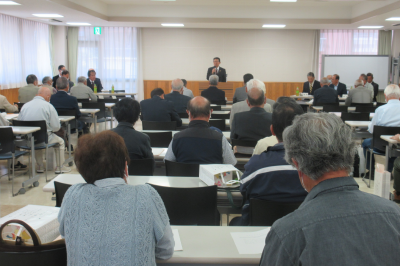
60	47
270	55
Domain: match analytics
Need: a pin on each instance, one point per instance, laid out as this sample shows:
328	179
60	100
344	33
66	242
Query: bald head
256	93
45	93
177	85
199	108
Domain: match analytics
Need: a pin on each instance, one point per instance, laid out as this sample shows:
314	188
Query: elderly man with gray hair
213	94
359	94
176	96
48	83
337	224
82	91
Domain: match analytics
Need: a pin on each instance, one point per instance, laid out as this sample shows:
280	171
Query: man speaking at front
217	70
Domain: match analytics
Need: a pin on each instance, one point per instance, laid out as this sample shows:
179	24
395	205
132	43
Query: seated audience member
8	107
367	85
311	85
213	94
82	91
325	94
186	91
268	176
158	109
40	109
338	86
263	144
387	115
180	101
241	93
65	74
61	68
107	221
359	94
47	82
138	144
27	93
329	77
244	107
396	175
337	224
254	124
92	80
370	80
199	144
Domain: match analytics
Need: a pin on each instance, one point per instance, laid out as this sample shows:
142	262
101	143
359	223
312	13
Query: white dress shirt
371	88
387	115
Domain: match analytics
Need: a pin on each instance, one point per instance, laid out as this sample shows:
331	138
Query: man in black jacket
93	80
338	86
311	85
217	70
180	101
61	68
158	109
325	94
213	94
370	79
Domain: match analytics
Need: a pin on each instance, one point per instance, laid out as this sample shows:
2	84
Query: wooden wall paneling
10	94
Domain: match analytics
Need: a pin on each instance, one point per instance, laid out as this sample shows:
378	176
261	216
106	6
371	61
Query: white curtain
115	55
73	33
24	50
348	42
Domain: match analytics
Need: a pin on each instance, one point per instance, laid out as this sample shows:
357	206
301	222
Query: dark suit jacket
325	95
221	73
341	88
214	95
137	143
376	90
180	101
306	87
97	82
251	125
62	101
157	109
55	80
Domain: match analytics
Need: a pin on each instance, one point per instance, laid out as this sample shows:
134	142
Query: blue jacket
180	101
269	177
159	110
62	101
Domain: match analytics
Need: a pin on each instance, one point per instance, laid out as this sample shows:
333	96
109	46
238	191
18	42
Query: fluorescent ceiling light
48	15
393	19
370	27
9	3
273	26
288	1
78	23
172	25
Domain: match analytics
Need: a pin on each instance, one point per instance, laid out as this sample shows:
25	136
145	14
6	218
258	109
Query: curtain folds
73	33
315	53
385	42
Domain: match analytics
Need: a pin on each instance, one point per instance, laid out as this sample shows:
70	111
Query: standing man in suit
338	86
180	101
27	93
93	80
65	74
159	109
240	93
213	94
82	91
370	80
254	124
61	68
325	94
311	85
217	70
359	94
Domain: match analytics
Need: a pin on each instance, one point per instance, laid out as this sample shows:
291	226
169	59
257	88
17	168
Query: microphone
215	71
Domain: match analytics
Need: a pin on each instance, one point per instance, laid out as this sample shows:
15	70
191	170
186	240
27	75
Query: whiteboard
350	67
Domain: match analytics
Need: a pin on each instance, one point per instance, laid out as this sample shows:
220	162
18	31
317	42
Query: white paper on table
163	153
250	242
157	151
177	239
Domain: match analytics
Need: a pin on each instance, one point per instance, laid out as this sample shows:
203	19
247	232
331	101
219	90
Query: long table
185	122
227	134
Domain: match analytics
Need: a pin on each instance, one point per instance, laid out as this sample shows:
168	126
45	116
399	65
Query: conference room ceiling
229	14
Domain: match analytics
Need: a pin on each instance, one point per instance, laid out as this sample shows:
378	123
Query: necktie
310	88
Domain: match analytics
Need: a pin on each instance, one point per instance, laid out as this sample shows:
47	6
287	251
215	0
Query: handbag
18	253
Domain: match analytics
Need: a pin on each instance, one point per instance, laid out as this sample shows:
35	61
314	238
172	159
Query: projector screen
349	68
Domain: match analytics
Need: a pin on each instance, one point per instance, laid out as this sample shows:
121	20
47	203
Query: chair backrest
265	213
365	109
216	107
380	104
355	116
190	206
379	143
107	100
83	100
98	105
334	108
159	139
2	110
183	115
19	105
6	140
41	135
61	189
182	169
220	116
219	102
155	125
218	123
244	143
73	123
141	167
362	104
56	256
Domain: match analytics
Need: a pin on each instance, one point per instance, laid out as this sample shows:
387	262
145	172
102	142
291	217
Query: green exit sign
97	30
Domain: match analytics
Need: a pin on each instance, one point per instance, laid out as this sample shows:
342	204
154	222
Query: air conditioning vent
55	20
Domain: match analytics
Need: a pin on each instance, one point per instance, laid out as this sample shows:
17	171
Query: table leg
95	122
69	142
112	117
32	153
387	156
